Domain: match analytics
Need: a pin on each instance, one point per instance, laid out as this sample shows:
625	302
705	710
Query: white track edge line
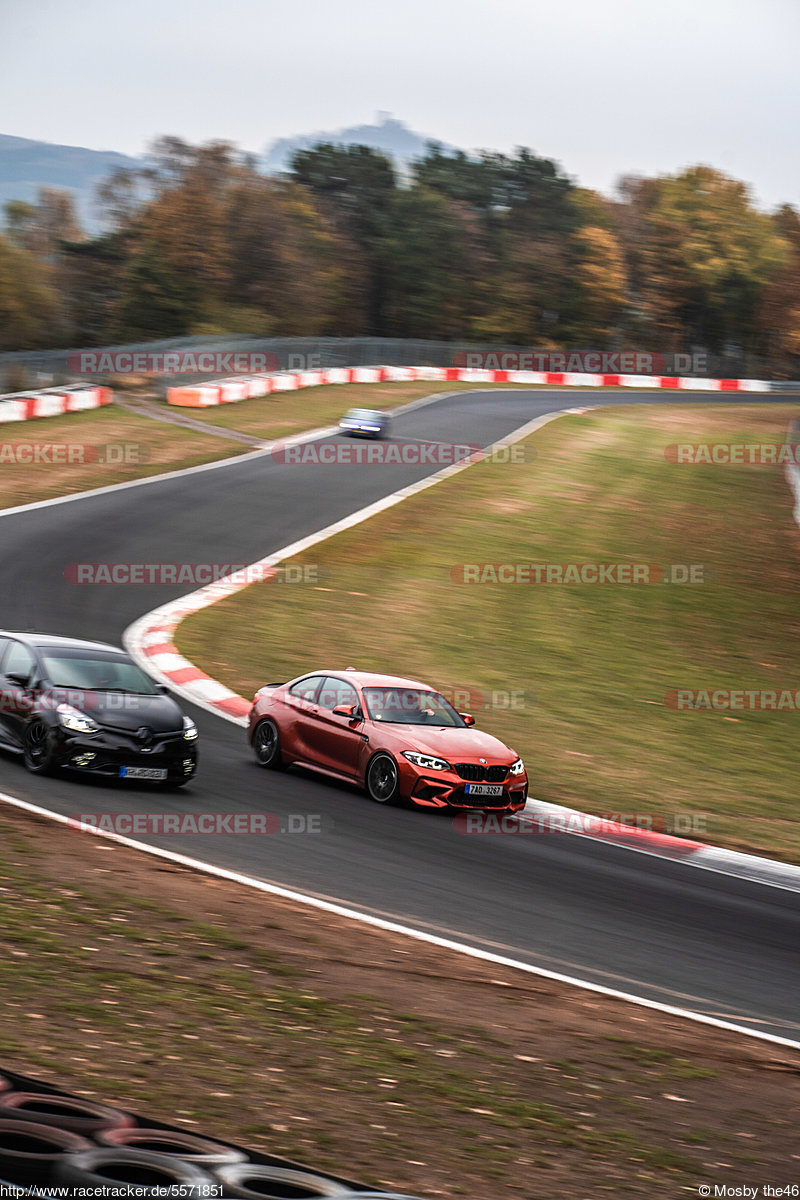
432	939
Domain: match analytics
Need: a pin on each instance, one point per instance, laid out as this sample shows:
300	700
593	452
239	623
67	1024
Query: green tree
537	193
158	300
474	182
527	192
428	267
91	277
522	217
354	187
530	293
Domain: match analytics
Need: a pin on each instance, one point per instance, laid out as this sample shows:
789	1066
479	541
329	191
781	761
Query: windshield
362	414
410	706
96	671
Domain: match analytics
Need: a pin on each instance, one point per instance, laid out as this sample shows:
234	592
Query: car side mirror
162	687
18	680
351	711
467	718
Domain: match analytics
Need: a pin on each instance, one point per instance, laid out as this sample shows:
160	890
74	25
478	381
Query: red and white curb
29	406
247	387
555	818
150	640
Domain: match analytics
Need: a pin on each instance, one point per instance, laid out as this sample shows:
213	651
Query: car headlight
189	730
75	721
518	767
427	761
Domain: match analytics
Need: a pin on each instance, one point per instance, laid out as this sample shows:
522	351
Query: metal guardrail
320	353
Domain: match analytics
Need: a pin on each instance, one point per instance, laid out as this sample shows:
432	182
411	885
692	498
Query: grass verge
576	678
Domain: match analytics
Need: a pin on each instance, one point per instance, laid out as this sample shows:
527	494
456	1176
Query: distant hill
391	136
26	165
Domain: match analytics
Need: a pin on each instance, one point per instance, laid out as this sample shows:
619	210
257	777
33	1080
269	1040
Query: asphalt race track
660	929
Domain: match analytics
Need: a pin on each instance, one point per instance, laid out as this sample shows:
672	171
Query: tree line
490	248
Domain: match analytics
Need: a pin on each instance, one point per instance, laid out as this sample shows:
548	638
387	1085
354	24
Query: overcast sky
606	87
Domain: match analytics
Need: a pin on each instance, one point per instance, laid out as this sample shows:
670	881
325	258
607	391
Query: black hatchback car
89	707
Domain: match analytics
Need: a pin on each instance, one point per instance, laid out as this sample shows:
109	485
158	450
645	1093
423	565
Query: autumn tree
778	315
45	227
486	247
287	261
30	315
178	264
700	255
595	309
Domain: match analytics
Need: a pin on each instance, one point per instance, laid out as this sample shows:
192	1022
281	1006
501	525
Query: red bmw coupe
395	737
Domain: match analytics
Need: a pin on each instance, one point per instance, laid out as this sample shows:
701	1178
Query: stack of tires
49	1139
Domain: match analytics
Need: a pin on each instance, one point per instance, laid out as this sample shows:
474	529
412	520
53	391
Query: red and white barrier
53	403
226	391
